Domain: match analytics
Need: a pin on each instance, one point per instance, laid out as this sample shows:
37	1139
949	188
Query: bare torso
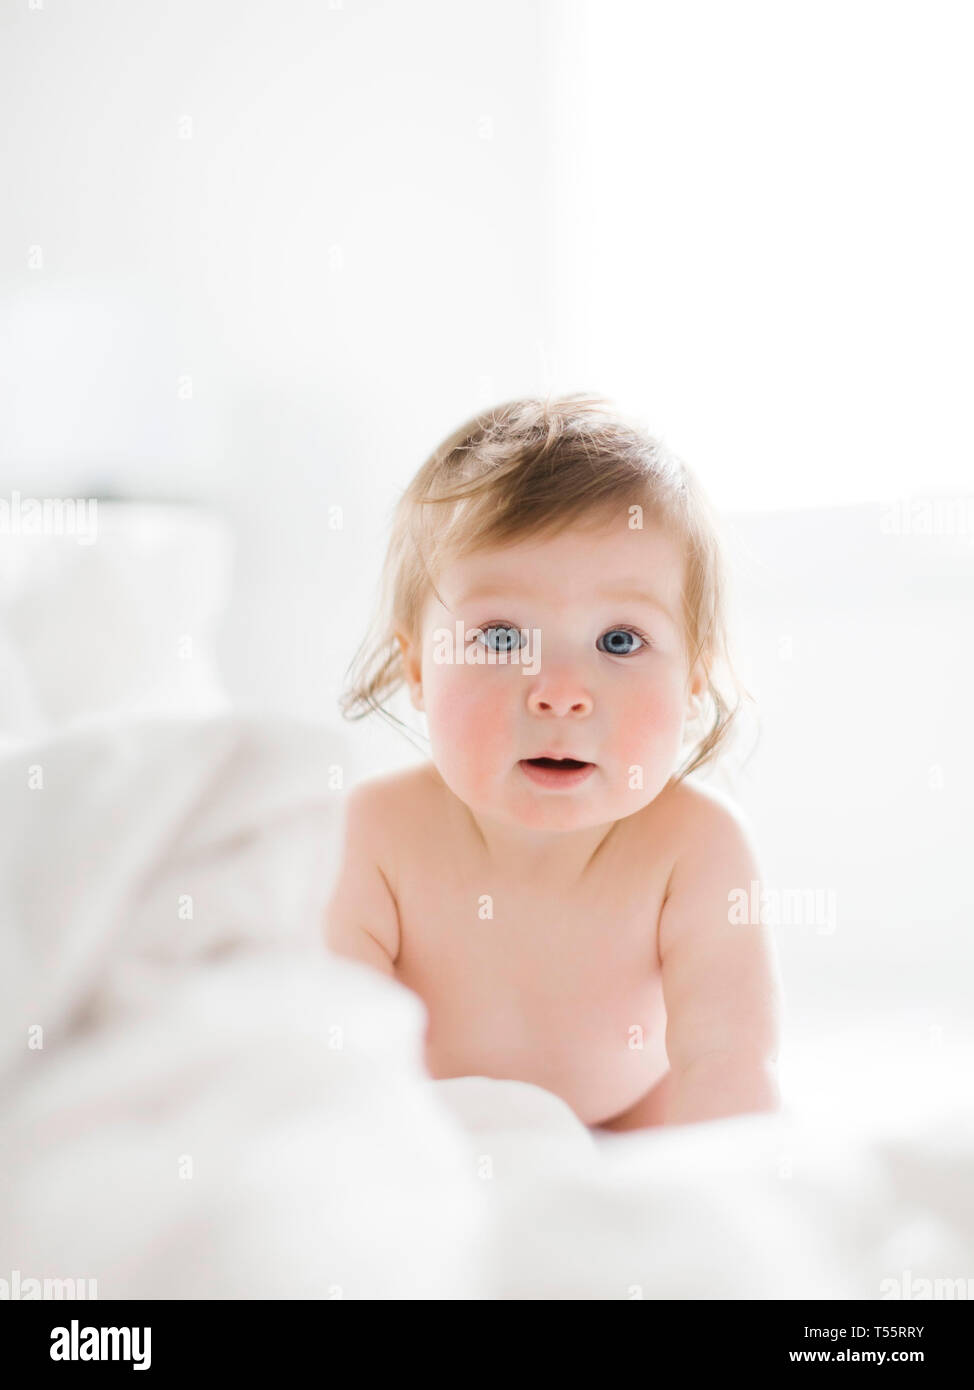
527	981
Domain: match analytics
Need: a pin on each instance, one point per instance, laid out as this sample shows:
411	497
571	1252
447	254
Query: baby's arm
361	919
720	980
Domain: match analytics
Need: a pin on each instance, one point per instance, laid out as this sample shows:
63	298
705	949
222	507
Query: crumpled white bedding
197	1100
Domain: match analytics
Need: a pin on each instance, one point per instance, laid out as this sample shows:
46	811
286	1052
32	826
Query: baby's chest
542	988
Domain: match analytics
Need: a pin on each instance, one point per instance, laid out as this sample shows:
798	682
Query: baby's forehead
574	565
617	544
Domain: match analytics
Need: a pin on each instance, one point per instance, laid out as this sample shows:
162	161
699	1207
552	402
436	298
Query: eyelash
616	627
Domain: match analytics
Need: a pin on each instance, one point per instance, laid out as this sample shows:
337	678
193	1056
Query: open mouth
558	763
556	772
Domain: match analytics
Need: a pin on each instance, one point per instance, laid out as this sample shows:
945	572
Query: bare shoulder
707	821
391	810
393	793
714	856
720	980
362	914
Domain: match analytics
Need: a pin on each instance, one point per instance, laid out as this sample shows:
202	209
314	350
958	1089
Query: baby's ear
695	690
412	668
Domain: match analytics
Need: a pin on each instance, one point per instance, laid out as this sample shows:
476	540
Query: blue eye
618	641
500	637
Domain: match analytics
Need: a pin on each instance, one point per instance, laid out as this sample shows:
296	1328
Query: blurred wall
765	236
266	256
852	632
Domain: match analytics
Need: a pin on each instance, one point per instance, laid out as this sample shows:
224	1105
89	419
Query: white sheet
222	1109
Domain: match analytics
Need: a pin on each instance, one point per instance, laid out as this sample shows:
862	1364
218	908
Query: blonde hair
532	468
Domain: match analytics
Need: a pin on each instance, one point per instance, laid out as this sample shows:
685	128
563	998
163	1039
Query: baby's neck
559	858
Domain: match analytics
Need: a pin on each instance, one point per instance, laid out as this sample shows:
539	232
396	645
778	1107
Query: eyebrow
619	593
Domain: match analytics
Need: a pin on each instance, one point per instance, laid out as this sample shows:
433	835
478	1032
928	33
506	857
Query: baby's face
595	670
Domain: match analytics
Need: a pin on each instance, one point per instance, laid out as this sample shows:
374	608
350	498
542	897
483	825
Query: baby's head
554	586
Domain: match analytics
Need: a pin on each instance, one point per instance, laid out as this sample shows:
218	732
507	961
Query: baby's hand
720	979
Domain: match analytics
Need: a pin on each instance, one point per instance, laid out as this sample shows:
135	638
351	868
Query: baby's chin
511	803
572	812
559	818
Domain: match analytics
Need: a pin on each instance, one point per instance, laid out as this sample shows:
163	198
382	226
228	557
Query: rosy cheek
650	717
470	723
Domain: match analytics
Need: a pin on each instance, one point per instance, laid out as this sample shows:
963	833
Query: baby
550	883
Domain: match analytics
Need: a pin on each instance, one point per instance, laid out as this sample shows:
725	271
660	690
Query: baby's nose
561	697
